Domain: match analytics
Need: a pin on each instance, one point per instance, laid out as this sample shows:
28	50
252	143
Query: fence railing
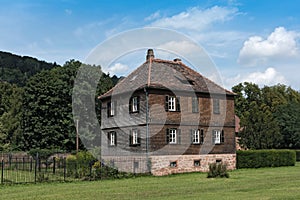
29	169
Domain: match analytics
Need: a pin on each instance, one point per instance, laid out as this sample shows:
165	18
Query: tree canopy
268	116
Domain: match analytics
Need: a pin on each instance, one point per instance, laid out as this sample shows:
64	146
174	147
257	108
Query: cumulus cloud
269	77
118	68
196	19
280	44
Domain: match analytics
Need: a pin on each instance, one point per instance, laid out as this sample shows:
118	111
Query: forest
36	107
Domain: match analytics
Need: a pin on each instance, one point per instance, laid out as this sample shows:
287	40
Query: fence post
65	166
35	166
2	171
54	163
30	164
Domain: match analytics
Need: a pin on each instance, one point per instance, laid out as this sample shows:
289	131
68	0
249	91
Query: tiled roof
164	74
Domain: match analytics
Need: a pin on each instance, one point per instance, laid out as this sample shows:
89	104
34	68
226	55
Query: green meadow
262	183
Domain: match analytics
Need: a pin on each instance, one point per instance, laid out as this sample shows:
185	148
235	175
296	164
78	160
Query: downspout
147	113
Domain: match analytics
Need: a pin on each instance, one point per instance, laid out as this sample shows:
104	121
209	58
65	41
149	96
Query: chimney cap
150	54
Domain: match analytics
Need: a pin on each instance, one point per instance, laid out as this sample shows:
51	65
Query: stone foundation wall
161	165
132	164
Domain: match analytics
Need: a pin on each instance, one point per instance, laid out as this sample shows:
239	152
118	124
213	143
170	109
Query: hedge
265	158
297	155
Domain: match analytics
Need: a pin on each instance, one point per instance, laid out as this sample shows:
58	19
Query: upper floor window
218	136
172	103
173	136
134	104
135	138
111	108
112	138
216	106
197	136
195	104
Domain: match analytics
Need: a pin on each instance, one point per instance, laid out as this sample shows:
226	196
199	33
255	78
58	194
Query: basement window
173	164
197	163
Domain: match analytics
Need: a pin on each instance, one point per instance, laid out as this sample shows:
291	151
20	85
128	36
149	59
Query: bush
217	170
80	165
265	158
297	155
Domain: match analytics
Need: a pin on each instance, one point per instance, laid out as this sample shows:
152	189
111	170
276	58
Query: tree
259	129
10	116
47	109
288	117
264	112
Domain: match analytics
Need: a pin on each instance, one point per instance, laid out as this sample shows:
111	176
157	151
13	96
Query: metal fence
27	169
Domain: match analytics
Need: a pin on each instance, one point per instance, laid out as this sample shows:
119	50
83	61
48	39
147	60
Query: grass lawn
264	183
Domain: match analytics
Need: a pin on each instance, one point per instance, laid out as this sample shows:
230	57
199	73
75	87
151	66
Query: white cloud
269	77
279	45
196	19
153	16
118	68
180	46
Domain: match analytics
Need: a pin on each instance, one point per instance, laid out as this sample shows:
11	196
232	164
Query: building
166	118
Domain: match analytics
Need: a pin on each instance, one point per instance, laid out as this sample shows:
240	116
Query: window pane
217	136
134	104
172	137
172	101
112	108
112	138
134	137
196	136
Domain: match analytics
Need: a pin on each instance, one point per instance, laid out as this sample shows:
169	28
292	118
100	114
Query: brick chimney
150	54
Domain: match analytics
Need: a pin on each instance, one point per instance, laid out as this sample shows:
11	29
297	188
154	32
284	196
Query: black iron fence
27	169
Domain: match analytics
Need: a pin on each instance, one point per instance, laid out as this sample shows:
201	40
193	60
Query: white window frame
112	108
172	136
172	103
196	136
135	136
112	138
217	136
134	104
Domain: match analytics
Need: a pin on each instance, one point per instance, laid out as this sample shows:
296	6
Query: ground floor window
173	136
218	136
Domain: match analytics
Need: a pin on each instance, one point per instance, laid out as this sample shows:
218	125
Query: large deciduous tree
47	109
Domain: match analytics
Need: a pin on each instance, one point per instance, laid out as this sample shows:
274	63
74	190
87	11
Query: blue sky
255	40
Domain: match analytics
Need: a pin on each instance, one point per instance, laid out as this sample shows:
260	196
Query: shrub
42	153
71	165
217	170
265	158
297	155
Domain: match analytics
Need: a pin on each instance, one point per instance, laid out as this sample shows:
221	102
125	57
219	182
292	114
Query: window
134	104
218	136
197	136
195	104
197	163
173	136
172	103
135	138
112	138
111	108
173	164
216	106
